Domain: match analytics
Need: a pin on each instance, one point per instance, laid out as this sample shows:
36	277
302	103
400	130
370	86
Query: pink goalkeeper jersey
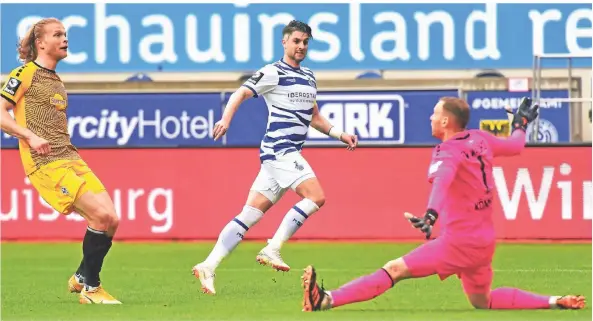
463	185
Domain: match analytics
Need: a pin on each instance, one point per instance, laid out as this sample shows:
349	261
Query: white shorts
276	176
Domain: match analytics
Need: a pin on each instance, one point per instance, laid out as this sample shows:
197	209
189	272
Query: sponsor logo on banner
513	102
375	118
114	37
546	193
152	205
498	127
147	124
138	120
554	180
554	120
546	131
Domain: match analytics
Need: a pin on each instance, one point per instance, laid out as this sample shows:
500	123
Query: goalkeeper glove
525	114
425	223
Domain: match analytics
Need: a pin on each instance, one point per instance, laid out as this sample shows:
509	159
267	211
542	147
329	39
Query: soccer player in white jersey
289	90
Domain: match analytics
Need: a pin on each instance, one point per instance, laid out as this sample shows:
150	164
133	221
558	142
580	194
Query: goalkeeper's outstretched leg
438	257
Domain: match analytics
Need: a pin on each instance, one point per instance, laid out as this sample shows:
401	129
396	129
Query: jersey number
482	168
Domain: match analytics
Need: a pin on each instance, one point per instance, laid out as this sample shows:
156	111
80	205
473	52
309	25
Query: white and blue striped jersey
290	96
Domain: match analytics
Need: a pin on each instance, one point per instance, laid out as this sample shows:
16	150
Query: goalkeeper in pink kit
461	199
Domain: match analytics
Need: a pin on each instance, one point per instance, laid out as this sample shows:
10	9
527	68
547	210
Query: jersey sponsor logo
298	94
58	101
12	85
498	127
301	97
256	77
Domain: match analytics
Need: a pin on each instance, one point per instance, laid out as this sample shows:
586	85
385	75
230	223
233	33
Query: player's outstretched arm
236	99
511	146
323	125
10	126
514	145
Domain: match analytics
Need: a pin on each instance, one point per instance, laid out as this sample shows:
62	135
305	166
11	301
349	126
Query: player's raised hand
350	140
425	223
526	113
220	128
40	145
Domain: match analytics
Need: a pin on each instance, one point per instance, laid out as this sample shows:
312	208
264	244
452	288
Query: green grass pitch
154	282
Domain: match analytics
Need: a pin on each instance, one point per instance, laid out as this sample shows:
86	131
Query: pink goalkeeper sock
362	289
516	299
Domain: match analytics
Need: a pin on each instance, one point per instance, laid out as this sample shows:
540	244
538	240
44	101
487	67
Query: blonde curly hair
26	48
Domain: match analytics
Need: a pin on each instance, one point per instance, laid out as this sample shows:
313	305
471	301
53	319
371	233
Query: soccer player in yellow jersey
52	163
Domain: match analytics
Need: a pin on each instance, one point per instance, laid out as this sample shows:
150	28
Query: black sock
94	247
80	270
107	248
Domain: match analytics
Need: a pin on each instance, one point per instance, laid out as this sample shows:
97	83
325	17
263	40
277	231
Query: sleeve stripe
8	98
251	88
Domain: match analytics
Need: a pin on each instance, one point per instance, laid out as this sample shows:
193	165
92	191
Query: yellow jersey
40	101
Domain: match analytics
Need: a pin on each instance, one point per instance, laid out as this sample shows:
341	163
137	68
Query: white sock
232	234
293	220
89	288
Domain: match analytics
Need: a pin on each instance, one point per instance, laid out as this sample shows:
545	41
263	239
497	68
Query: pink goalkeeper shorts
473	265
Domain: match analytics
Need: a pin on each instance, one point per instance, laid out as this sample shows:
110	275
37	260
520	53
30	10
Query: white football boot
270	256
206	276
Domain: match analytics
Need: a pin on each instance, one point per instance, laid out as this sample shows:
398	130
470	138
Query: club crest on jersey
312	83
58	101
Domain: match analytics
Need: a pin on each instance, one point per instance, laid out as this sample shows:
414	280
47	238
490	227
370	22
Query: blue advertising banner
377	117
140	120
487	112
171	120
228	37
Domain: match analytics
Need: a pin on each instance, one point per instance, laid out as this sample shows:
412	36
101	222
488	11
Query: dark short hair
458	108
296	25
